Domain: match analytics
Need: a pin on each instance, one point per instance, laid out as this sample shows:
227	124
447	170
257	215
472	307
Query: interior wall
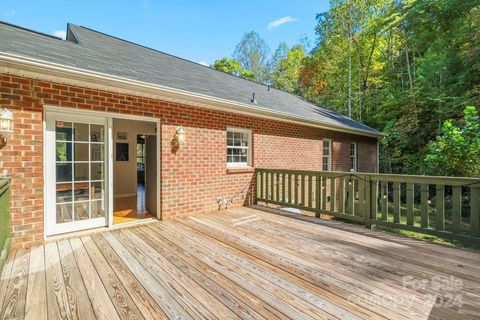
125	172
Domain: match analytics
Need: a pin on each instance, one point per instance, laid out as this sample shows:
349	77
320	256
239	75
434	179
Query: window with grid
238	147
327	155
353	156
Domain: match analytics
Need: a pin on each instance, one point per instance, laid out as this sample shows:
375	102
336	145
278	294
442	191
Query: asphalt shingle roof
102	53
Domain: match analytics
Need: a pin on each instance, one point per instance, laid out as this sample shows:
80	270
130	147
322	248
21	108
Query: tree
286	66
403	66
456	152
232	67
253	54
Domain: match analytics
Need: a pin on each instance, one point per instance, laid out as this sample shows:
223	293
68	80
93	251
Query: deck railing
4	220
448	207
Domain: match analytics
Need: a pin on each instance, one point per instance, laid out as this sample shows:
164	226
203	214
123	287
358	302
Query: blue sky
201	31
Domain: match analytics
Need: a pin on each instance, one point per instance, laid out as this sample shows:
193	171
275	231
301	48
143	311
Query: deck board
243	263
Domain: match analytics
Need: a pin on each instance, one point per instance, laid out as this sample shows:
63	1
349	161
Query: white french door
76	166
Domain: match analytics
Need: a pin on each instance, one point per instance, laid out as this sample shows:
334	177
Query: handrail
444	206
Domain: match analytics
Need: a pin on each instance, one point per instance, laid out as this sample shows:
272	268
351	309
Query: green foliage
403	67
456	152
286	66
232	67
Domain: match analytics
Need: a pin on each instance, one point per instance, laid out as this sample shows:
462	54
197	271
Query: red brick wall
193	176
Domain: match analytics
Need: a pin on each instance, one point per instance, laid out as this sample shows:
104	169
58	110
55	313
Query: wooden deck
244	263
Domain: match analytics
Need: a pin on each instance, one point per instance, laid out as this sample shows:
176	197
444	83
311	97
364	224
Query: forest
408	68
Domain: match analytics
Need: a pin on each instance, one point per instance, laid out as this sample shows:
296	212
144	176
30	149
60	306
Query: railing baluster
410	203
440	207
267	190
361	197
310	193
333	194
384	200
262	173
374	199
272	185
283	187
475	211
302	179
324	193
296	188
424	195
351	195
318	185
277	184
456	208
367	200
396	202
289	188
341	195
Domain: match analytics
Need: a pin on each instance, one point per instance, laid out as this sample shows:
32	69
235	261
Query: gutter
39	69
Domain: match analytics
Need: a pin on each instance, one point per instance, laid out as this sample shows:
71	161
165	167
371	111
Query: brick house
107	131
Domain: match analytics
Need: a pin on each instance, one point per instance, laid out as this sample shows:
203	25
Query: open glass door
76	162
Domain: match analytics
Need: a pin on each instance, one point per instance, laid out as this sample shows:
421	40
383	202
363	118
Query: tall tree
253	53
286	65
411	64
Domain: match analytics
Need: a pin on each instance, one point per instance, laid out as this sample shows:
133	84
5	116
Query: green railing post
5	234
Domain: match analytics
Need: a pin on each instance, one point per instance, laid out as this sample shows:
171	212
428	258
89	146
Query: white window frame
329	157
249	148
353	157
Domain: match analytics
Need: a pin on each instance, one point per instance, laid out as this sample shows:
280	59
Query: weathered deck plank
36	304
242	263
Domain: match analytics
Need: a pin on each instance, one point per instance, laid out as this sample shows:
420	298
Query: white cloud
279	22
204	63
60	33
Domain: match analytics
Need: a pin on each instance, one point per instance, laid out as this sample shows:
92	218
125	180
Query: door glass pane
64	192
98	209
64	172
81	191
97	171
97	190
64	212
80	131
97	152
81	171
81	151
63	131
96	133
63	151
81	210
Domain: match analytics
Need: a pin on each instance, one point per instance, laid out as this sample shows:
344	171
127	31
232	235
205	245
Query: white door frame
109	116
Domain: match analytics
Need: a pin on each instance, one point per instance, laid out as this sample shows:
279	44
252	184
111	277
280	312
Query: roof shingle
102	53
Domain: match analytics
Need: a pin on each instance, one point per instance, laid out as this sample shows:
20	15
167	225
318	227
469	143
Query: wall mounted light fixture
180	135
6	123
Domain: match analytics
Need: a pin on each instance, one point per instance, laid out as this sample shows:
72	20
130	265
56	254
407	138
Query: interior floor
129	209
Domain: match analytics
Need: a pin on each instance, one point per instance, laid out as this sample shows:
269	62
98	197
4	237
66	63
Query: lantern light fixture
180	134
6	123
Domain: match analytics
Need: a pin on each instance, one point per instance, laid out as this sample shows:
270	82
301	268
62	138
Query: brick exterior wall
192	176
